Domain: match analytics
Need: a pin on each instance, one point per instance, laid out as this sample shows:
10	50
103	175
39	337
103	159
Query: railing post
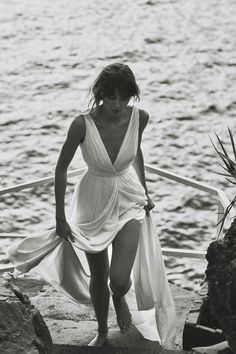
220	215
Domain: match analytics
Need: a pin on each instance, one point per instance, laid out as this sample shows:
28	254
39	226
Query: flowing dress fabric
107	196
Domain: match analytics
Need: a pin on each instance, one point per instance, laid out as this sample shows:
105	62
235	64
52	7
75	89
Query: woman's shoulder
80	117
143	118
78	125
79	120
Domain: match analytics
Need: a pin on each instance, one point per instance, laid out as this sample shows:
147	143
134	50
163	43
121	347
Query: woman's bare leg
99	291
124	251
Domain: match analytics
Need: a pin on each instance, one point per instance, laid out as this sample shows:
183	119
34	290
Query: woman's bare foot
98	340
123	314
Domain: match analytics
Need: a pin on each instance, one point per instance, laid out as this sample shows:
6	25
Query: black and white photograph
118	177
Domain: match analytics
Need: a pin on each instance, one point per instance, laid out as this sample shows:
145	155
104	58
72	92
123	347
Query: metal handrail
223	202
39	182
162	173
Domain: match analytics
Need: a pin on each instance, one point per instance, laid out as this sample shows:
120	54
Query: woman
108	208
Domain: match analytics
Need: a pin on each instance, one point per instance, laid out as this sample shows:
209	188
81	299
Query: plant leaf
227	210
228	164
226	169
224	157
221	144
230	181
223	174
232	142
230	167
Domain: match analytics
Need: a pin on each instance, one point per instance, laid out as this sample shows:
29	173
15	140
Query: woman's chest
112	139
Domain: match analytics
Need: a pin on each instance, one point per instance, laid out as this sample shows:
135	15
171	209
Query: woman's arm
74	137
138	163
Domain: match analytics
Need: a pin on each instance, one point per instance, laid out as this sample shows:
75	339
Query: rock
22	328
71	326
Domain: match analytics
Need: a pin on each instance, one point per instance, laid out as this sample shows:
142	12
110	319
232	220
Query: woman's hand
150	205
63	230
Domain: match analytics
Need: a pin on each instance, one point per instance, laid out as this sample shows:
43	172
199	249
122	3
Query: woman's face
115	103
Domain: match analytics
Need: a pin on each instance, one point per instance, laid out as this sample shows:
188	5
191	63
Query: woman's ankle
103	330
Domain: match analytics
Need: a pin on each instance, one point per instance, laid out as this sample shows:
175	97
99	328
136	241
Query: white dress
107	196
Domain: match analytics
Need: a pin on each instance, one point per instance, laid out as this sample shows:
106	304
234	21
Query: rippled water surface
183	55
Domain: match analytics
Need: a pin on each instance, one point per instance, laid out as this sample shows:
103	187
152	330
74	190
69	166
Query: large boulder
22	328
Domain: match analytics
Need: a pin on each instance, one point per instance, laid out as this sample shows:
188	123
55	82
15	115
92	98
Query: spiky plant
230	168
221	257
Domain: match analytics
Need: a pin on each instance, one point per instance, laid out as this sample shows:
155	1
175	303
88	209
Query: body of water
183	54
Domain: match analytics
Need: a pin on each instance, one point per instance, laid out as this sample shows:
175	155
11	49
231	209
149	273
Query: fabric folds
106	197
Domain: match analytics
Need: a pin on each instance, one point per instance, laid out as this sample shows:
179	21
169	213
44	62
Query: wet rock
22	328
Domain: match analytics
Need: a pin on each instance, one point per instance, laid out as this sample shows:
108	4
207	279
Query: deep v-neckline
123	140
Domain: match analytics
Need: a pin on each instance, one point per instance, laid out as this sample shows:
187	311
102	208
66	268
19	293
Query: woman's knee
119	283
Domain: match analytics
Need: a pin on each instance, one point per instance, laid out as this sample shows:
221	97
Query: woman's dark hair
114	76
